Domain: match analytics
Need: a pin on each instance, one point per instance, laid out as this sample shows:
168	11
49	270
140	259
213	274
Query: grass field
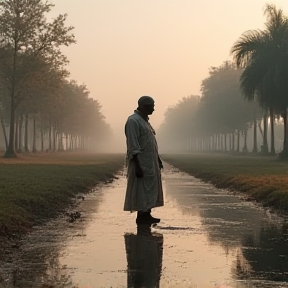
35	187
263	179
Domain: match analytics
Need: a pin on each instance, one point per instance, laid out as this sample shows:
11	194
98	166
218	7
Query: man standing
144	184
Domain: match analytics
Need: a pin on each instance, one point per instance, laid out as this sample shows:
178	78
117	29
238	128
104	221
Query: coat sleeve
132	132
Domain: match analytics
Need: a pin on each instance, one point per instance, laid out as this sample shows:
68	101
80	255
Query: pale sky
162	48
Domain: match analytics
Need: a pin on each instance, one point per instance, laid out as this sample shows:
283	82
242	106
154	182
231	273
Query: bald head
145	100
146	105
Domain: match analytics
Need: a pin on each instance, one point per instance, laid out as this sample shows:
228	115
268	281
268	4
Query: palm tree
264	57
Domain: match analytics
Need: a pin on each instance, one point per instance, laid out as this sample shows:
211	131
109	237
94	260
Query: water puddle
206	238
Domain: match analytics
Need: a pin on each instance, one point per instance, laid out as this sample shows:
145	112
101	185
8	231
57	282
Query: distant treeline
239	98
40	106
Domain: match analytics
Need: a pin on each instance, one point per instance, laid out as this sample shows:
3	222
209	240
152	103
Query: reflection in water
258	237
35	263
144	258
213	239
42	271
267	255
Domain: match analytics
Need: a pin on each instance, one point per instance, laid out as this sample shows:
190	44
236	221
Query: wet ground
207	238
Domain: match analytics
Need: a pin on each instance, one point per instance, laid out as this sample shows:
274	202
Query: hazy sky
163	48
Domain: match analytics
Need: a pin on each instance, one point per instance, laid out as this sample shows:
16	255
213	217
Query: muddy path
207	238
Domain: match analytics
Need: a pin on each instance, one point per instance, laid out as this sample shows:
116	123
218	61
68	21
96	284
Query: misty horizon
159	48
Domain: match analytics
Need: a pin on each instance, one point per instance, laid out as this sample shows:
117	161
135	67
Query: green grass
263	179
36	187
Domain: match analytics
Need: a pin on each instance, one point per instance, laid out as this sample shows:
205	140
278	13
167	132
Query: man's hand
138	170
160	163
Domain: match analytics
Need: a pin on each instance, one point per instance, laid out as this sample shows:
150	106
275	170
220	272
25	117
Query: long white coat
146	192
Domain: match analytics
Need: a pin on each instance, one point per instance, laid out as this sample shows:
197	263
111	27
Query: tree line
249	93
41	108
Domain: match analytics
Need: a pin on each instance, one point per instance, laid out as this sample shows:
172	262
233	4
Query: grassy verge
263	179
36	187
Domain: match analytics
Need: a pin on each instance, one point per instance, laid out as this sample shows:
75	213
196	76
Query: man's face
148	109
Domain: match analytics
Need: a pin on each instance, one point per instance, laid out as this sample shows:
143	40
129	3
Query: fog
164	48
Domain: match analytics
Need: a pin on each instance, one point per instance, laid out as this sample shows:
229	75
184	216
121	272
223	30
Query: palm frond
254	74
275	17
250	81
276	24
250	42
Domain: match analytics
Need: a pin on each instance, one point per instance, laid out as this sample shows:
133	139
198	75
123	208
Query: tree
26	35
223	110
4	103
203	123
179	125
264	57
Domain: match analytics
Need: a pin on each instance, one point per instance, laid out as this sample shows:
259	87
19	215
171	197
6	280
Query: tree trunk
80	144
83	143
34	134
77	146
54	139
71	143
264	149
26	134
66	142
284	152
272	121
213	143
285	131
10	151
20	135
60	142
16	133
245	149
50	135
260	129
255	148
42	138
233	142
238	141
4	132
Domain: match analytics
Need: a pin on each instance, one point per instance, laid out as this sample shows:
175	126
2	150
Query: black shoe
140	220
146	218
153	219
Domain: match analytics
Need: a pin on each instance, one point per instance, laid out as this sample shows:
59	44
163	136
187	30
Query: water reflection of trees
261	241
144	258
267	255
260	238
36	261
43	270
229	222
225	218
